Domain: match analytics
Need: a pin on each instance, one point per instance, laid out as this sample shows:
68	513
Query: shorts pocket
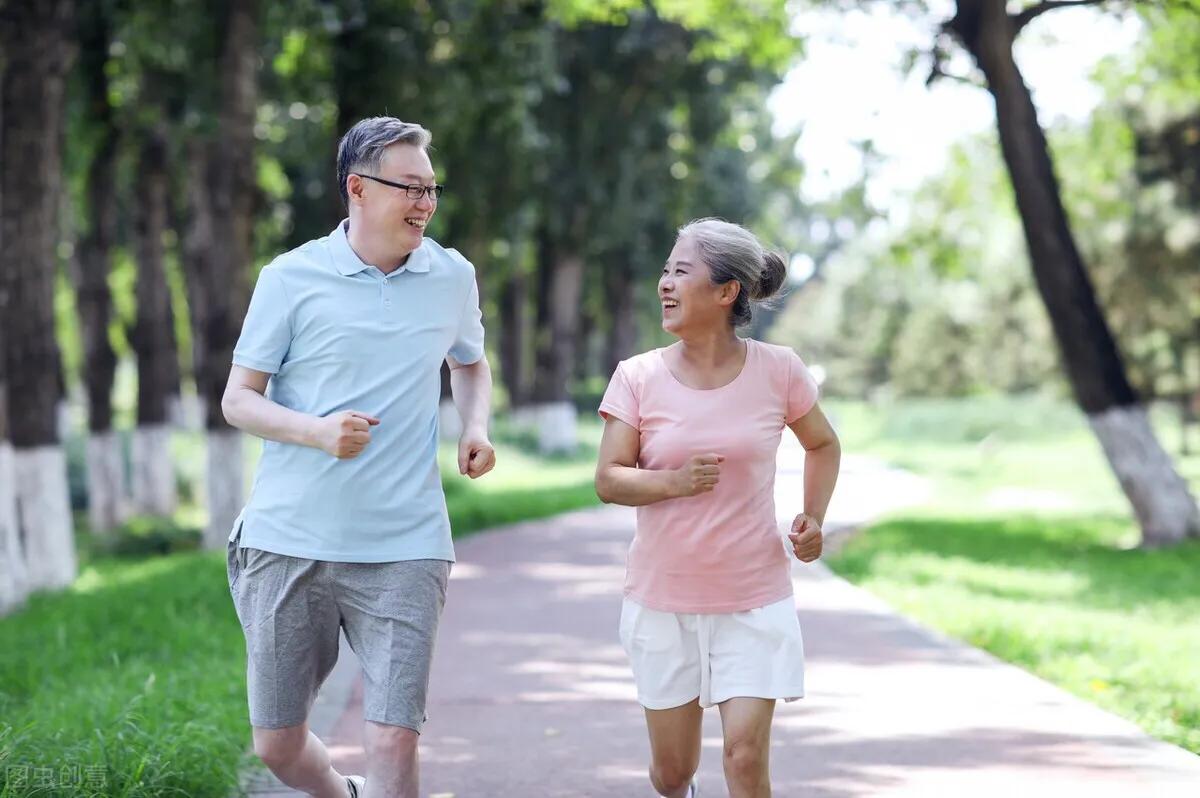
233	556
645	630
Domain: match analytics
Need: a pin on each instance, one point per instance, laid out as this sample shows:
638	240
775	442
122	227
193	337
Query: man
338	368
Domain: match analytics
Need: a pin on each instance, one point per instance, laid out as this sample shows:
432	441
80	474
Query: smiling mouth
417	223
669	304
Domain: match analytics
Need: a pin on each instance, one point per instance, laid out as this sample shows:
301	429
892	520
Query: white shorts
677	656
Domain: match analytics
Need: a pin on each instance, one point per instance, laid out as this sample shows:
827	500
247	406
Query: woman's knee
670	777
278	747
746	760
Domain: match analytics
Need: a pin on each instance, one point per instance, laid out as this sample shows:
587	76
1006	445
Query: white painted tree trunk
1164	507
108	502
449	423
44	516
556	427
13	580
223	485
153	478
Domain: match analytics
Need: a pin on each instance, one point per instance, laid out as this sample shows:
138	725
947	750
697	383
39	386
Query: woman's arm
822	459
620	481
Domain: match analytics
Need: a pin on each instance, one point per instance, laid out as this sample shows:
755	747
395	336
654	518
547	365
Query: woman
690	439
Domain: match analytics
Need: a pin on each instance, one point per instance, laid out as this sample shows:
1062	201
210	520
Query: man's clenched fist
345	434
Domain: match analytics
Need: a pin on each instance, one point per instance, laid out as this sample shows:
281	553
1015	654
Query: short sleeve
468	343
267	330
620	401
802	389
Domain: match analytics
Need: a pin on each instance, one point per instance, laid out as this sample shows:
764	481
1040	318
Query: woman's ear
729	292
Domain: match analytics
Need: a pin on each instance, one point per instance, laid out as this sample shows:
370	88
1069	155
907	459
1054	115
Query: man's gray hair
362	148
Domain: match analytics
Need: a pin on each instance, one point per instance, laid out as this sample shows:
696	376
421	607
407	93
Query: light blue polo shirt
338	334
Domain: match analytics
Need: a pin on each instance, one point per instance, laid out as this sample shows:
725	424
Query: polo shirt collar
348	263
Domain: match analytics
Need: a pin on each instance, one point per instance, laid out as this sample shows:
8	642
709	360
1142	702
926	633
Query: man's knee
745	760
392	742
277	748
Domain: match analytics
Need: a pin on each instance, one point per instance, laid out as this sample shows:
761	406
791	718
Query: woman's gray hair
732	252
362	148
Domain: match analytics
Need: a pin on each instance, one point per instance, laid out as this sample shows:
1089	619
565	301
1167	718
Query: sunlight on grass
1057	588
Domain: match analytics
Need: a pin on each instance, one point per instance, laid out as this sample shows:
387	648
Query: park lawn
132	682
1025	548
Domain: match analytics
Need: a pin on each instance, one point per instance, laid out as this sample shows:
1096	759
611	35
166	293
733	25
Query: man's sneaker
357	784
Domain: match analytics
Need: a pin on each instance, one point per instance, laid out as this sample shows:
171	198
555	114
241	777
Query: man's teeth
670	303
419	223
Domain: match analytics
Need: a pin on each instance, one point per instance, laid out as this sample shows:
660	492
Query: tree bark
13	583
153	335
37	47
107	506
514	337
218	251
559	295
621	293
1164	507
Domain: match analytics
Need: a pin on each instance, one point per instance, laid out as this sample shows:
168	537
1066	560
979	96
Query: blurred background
1025	341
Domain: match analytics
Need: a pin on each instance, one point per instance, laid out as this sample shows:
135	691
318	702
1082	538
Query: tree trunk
622	303
1164	507
13	577
514	337
38	52
153	336
222	199
12	560
107	506
561	284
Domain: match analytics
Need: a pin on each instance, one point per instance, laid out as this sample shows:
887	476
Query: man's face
387	211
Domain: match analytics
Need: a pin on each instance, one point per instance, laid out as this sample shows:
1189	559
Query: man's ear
354	188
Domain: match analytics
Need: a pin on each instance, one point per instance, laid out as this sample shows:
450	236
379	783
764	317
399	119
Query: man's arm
471	389
246	407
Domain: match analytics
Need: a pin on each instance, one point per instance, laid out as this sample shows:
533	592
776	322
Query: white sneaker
357	785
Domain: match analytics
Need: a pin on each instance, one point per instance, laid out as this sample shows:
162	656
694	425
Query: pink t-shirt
720	551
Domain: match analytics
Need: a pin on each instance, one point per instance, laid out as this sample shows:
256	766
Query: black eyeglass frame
434	192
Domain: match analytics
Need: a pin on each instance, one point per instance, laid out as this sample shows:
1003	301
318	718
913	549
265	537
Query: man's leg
747	727
300	761
674	747
291	627
392	770
390	612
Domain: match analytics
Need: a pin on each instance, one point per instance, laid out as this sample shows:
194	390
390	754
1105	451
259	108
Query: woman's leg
747	729
674	747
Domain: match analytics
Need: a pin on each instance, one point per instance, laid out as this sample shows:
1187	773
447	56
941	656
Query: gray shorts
291	610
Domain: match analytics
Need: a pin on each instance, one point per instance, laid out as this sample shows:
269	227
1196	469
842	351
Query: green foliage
148	535
937	303
754	30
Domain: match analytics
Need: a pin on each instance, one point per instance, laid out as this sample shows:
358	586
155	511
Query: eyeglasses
413	191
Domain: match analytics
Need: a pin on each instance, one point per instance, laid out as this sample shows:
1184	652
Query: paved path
531	693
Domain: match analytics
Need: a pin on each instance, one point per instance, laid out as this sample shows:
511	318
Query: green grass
133	680
1026	548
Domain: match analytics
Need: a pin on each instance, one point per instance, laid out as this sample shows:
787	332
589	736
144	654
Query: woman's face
690	301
